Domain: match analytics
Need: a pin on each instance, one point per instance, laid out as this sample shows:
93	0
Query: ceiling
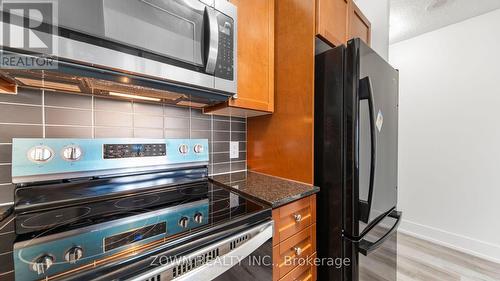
409	18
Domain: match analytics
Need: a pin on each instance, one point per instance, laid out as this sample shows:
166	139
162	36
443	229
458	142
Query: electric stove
88	206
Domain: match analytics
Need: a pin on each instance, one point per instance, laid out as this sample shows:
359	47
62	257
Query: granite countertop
271	190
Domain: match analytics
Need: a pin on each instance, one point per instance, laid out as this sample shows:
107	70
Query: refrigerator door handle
365	247
366	93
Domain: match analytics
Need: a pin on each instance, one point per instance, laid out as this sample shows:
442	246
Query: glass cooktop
61	207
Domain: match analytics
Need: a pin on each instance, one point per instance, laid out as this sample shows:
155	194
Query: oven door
256	266
243	256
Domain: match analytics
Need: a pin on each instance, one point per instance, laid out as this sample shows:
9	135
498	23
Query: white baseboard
454	241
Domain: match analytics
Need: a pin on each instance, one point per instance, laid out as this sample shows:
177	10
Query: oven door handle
212	270
260	234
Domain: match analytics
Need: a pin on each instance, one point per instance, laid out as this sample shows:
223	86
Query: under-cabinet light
133	96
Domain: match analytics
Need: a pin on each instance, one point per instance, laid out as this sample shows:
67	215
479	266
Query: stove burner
193	191
56	217
137	201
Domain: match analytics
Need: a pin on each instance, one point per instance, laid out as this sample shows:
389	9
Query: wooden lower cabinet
294	240
304	272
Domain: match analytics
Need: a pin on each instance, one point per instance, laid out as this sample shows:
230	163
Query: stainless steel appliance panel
185	42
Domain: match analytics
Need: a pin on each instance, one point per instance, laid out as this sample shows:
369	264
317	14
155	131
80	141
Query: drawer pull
298	251
297	217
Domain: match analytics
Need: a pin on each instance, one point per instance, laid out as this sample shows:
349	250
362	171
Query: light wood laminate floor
425	261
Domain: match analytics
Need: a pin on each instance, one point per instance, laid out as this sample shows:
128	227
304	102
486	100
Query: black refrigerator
356	154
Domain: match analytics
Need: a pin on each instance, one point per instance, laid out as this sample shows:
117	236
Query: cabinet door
255	55
359	25
331	20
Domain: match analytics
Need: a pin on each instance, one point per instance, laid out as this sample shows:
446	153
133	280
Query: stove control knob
40	154
198	148
42	264
72	153
73	255
183	149
183	222
198	218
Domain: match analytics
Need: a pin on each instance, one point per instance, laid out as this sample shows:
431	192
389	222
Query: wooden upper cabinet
332	20
359	25
337	21
255	61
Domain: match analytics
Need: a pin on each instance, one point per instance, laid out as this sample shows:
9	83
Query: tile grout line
163	120
43	109
246	144
69	125
230	139
218	174
67	108
92	121
5	273
23	124
234	162
20	104
133	118
225	152
211	143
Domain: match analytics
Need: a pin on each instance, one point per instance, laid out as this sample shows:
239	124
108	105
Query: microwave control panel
224	67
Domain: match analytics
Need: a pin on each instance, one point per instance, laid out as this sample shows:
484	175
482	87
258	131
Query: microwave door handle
366	93
212	43
365	247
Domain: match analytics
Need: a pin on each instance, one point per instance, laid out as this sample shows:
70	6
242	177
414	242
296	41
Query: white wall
377	12
449	153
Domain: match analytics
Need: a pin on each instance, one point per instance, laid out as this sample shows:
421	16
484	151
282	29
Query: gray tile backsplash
5	173
9	131
65	100
5	151
24	96
36	113
64	116
10	113
68	132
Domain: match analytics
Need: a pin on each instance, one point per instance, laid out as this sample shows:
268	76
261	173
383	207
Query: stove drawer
293	218
306	272
296	250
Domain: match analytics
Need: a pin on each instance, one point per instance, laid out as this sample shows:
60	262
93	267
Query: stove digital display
133	236
114	151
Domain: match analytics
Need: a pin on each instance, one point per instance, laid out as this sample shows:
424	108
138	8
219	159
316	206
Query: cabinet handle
298	251
297	218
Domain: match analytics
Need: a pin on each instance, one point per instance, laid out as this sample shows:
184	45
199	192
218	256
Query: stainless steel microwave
186	42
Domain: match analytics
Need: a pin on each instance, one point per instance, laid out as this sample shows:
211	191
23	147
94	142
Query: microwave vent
47	84
103	87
